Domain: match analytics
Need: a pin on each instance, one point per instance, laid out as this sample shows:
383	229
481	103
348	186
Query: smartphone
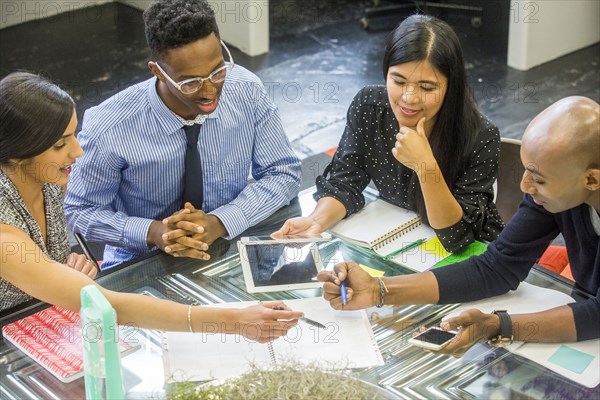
286	239
433	338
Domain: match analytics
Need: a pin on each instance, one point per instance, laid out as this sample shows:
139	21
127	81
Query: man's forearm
556	325
421	288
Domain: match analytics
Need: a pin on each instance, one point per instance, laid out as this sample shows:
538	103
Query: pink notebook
52	337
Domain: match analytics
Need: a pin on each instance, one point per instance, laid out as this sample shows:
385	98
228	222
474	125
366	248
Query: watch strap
505	324
505	334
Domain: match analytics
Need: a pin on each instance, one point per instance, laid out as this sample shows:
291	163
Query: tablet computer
305	238
271	267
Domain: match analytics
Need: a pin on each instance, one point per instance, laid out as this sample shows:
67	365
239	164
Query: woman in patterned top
36	154
37	149
420	138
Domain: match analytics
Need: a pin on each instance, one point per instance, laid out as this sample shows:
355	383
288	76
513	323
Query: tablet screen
288	238
281	264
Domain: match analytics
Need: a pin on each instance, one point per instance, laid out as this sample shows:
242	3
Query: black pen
86	250
304	319
313	323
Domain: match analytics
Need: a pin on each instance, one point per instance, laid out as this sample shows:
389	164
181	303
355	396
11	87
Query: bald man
561	154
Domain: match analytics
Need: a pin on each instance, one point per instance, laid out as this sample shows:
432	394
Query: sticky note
571	359
375	273
434	246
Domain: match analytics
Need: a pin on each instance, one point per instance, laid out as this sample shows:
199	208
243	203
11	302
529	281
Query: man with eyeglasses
166	161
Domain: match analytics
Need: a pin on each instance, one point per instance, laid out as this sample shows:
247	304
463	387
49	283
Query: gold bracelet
190	319
382	291
385	287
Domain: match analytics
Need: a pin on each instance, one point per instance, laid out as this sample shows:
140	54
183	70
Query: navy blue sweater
509	259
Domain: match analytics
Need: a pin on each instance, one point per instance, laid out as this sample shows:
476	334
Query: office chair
407	6
510	172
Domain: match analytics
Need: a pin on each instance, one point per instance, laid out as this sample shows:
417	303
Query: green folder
474	249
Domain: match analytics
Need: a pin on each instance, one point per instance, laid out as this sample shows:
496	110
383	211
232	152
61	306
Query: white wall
16	12
543	30
242	23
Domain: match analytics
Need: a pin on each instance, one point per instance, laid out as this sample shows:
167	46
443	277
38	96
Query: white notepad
347	342
383	227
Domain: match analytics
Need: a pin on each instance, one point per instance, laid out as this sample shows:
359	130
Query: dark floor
319	58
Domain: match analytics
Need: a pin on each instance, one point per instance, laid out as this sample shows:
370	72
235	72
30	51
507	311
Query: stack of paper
346	342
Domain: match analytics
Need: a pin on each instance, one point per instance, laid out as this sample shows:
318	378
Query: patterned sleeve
345	177
475	194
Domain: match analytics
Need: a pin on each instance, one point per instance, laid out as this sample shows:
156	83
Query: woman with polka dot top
420	138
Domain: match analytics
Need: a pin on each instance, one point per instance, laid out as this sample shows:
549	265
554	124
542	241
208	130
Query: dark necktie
192	189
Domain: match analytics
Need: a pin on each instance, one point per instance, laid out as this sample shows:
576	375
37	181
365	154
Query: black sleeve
345	178
474	192
584	312
507	260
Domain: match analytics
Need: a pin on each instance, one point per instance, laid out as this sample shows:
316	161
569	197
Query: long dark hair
422	37
34	114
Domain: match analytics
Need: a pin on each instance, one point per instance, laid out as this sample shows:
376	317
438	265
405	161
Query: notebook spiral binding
272	353
396	233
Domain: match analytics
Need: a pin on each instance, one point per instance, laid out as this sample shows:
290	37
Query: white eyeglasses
192	85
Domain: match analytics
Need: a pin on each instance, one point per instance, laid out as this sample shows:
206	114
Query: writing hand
80	263
362	290
266	322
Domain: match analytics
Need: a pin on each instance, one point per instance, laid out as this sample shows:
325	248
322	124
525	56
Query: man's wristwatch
505	337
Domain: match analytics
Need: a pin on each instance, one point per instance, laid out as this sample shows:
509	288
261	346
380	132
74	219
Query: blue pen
343	292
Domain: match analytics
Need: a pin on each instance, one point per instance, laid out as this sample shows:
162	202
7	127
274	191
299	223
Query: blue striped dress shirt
132	170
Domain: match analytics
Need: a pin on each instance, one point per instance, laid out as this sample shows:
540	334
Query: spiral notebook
347	341
52	337
384	228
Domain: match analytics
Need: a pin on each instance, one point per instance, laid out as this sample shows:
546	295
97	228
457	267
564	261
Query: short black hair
34	114
174	23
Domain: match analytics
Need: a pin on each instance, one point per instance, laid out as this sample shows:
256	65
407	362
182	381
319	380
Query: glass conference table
409	372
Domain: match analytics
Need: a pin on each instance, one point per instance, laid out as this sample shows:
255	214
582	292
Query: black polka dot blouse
364	154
